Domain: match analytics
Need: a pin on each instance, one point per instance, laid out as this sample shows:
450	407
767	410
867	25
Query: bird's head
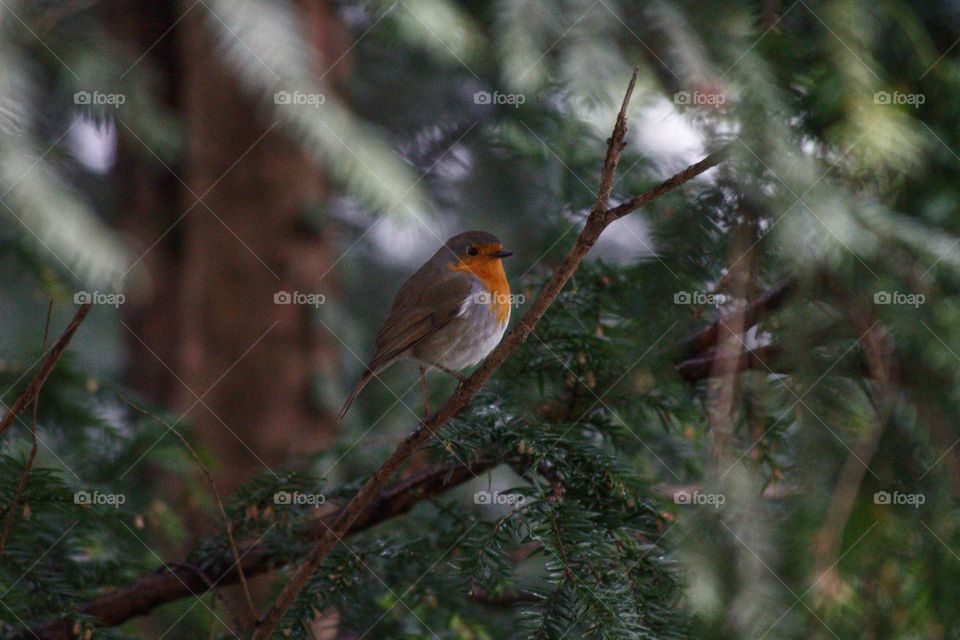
475	251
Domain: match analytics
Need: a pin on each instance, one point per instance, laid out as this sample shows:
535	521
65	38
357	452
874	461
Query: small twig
28	394
216	493
700	368
600	217
615	146
699	352
480	596
178	580
768	302
668	185
22	484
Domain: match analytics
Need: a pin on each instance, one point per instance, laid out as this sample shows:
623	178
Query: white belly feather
468	338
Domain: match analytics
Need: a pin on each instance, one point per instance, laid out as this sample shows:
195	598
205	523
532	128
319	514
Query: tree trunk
242	366
249	360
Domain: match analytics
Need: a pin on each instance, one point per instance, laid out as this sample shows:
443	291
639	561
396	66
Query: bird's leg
456	375
426	394
451	373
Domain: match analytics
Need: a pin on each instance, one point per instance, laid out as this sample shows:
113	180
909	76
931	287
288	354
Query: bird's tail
365	377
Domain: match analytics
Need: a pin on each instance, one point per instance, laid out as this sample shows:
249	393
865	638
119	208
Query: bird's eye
472	251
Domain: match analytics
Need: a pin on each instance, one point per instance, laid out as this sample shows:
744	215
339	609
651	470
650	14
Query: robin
448	315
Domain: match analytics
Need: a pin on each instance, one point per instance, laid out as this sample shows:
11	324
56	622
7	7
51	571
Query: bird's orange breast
494	279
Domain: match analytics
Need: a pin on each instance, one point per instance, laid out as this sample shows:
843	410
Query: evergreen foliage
578	526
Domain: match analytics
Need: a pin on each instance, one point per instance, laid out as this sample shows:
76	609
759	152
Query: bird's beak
502	254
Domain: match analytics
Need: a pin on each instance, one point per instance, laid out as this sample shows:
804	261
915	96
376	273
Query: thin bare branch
770	301
46	366
22	484
615	146
667	185
180	580
228	526
701	368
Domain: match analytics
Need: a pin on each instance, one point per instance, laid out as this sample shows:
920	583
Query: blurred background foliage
187	161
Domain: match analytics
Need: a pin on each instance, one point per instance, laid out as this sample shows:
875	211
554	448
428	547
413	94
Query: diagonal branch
615	146
667	185
600	217
182	580
46	366
766	357
25	477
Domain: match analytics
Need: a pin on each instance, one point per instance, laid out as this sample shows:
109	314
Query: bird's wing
421	308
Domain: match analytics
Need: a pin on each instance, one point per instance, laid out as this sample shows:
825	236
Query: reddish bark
206	324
